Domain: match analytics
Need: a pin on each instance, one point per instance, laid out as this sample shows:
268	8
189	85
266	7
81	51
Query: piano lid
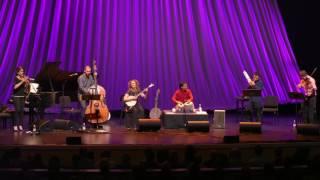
51	78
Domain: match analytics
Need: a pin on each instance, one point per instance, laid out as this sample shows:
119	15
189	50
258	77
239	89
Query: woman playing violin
309	86
20	85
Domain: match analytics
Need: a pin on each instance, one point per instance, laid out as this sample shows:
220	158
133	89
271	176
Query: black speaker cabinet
231	139
44	126
148	125
73	140
198	125
58	124
308	129
253	127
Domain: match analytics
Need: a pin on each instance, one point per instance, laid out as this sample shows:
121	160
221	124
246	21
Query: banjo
134	99
155	112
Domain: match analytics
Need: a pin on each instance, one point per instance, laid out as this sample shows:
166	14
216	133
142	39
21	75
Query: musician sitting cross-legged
133	109
183	98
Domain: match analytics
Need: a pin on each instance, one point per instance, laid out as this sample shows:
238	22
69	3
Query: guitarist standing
132	114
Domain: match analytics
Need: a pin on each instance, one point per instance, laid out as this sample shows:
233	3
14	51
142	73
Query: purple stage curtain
207	43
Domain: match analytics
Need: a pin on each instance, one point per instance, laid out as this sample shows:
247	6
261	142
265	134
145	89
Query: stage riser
137	153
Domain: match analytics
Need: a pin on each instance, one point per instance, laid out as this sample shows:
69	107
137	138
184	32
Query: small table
176	120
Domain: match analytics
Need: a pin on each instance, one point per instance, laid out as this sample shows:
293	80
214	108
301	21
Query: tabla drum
189	107
34	88
185	107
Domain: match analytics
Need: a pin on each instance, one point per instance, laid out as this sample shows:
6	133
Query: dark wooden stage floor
274	131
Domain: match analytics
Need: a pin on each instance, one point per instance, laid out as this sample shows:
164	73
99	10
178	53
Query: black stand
34	116
251	92
95	115
298	98
240	105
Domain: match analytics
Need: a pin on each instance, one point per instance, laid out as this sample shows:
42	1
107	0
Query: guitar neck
156	104
140	93
156	99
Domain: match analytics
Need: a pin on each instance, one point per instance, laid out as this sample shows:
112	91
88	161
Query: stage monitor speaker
254	127
73	140
197	125
231	139
308	129
219	119
58	124
44	125
152	124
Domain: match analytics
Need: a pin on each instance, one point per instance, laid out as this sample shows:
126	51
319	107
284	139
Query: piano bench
4	116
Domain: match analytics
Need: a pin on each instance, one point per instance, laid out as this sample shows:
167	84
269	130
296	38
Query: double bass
97	111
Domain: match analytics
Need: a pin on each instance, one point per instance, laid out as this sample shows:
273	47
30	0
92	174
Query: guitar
134	100
97	112
155	112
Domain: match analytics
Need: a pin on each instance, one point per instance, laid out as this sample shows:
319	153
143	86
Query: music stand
297	97
94	115
251	92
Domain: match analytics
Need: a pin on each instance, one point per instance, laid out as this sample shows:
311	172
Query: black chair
271	104
122	110
5	114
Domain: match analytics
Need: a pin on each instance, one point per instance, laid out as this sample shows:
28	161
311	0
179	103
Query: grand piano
53	83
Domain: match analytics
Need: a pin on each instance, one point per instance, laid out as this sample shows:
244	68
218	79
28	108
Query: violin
26	82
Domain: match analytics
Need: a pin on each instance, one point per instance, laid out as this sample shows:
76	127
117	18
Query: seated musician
309	86
132	114
85	81
183	98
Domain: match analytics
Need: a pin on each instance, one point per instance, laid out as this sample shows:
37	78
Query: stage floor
274	130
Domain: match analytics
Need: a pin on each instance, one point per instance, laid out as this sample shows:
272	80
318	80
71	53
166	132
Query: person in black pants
20	84
255	102
309	86
132	114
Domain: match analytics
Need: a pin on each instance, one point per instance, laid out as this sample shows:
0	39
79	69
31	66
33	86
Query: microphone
31	79
74	74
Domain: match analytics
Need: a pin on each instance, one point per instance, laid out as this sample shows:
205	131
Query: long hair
137	89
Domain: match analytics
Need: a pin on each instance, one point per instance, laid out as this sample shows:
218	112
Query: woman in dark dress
20	84
132	114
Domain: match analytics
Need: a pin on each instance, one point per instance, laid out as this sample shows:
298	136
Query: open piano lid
51	80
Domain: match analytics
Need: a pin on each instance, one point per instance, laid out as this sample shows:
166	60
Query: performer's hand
251	83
